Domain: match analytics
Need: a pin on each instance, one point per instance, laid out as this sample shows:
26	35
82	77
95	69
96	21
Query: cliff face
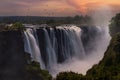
112	55
107	69
109	66
12	58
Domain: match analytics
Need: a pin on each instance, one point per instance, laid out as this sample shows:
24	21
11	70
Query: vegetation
34	72
78	19
115	25
15	26
69	76
109	67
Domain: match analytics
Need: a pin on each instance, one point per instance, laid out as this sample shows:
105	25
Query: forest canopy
115	25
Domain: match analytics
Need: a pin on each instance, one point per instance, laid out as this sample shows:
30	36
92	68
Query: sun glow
54	7
85	6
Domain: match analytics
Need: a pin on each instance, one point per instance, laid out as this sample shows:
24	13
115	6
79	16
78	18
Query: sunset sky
55	7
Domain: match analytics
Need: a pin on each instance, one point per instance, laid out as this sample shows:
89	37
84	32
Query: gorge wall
56	49
12	57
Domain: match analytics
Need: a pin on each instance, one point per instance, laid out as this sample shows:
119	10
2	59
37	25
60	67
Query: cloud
56	7
30	7
84	6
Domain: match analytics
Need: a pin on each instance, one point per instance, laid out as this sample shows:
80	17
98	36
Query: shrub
16	26
115	25
69	76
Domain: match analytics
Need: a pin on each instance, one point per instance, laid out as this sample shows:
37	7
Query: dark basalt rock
42	44
12	58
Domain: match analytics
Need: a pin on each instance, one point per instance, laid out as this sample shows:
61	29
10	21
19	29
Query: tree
16	26
115	25
69	76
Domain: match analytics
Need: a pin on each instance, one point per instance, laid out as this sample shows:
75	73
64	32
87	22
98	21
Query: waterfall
50	51
54	46
31	46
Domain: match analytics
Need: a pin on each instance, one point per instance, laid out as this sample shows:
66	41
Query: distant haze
54	7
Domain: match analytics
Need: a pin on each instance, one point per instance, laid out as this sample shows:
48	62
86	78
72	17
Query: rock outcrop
12	58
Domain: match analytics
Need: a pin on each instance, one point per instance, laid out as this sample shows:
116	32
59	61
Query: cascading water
31	46
59	48
50	51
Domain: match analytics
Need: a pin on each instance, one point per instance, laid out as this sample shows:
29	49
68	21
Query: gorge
57	49
66	47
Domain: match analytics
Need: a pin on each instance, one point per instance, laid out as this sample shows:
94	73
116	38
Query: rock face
107	69
109	66
12	58
15	63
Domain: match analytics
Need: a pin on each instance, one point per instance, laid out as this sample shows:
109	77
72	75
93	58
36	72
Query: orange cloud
54	7
85	6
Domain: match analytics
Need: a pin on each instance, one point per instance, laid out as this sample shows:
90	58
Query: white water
50	52
69	43
31	46
81	66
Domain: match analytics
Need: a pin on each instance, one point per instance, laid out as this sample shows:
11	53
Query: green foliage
35	73
109	67
16	26
69	76
55	21
115	25
33	70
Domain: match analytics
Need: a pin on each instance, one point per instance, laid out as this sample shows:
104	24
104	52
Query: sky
55	7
